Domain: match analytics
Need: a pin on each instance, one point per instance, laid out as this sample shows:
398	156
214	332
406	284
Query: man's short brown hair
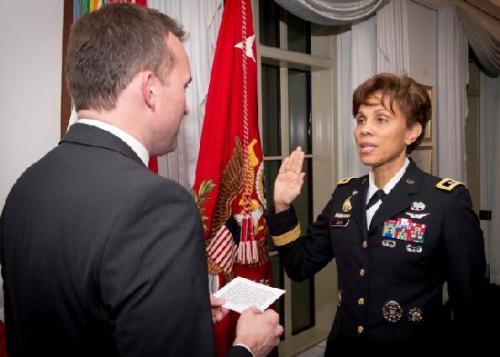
108	47
411	97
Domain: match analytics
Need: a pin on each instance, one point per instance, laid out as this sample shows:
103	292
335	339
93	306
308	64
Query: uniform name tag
339	222
342	215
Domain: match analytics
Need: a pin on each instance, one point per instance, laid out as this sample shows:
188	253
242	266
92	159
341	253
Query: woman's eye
360	120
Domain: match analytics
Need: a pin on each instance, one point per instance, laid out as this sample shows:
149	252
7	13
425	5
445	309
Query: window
296	102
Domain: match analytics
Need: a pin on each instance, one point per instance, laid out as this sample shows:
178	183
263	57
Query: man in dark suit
396	234
101	257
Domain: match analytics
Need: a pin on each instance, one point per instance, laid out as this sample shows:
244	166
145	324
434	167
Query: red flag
229	177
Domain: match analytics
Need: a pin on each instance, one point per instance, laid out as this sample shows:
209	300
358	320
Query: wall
30	90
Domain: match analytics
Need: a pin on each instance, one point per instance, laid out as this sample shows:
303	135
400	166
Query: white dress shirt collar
372	188
134	144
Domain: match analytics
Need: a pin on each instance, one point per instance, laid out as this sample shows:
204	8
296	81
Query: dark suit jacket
390	284
101	257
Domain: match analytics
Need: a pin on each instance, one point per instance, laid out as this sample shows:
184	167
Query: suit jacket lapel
400	196
92	136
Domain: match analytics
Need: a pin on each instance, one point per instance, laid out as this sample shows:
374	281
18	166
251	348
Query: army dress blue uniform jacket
391	276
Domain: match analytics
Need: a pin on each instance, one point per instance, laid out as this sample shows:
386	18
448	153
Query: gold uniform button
365	244
361	329
361	301
362	272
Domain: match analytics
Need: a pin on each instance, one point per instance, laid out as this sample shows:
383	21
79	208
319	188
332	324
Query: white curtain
483	33
201	20
453	76
356	63
490	170
331	12
393	54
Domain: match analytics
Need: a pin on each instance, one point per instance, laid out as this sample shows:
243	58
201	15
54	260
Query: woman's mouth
366	148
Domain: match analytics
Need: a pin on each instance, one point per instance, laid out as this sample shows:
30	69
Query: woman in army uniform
397	234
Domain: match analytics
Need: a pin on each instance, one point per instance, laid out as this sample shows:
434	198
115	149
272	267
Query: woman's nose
366	128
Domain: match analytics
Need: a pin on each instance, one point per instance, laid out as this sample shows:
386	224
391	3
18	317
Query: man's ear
148	92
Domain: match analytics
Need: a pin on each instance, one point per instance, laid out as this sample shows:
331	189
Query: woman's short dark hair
411	97
108	47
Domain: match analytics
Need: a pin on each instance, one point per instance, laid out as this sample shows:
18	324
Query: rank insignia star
448	184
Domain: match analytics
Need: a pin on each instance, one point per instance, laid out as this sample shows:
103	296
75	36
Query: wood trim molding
65	96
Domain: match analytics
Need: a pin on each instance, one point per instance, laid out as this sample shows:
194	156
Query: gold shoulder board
448	184
344	180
